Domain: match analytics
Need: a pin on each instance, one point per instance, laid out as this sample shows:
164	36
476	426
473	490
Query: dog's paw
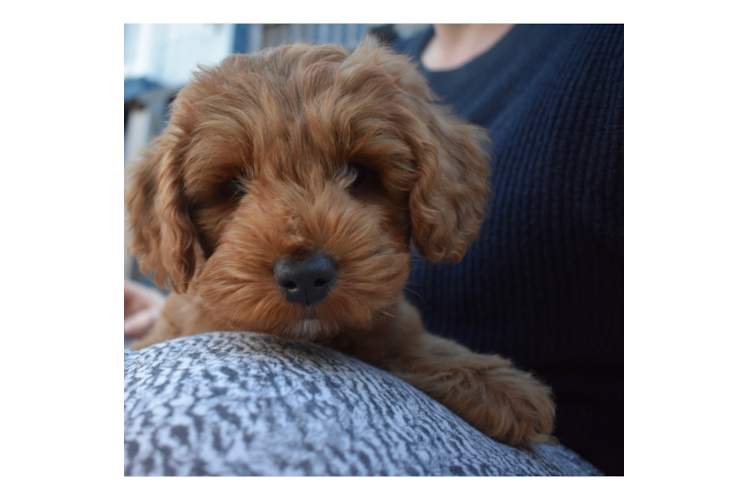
504	403
514	408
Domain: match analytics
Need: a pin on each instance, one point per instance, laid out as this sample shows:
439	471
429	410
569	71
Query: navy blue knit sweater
543	284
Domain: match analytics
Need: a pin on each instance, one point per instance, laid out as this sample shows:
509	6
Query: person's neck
454	45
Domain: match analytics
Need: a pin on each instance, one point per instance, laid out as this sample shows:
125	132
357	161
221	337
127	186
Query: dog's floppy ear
163	237
449	199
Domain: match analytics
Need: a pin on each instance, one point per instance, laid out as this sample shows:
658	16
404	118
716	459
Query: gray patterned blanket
250	404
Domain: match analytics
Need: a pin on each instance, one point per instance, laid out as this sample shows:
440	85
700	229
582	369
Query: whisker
420	260
417	295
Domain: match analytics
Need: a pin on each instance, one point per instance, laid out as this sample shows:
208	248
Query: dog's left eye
238	186
360	174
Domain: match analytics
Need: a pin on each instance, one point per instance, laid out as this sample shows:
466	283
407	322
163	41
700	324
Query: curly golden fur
259	162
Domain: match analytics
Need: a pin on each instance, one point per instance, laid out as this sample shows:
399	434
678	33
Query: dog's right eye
361	175
237	186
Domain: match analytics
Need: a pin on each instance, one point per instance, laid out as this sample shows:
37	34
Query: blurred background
159	59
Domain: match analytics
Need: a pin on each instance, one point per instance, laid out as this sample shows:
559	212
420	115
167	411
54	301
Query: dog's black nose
305	281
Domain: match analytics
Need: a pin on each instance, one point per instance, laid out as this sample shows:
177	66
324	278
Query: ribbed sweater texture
543	284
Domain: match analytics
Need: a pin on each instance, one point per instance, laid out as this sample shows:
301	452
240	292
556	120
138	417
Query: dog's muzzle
306	281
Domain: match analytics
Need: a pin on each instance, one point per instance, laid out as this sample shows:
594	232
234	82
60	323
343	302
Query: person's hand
142	307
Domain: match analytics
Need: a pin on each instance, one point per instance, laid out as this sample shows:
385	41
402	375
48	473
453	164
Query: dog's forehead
321	116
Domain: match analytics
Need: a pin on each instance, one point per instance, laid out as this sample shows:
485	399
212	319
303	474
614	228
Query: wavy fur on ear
164	238
448	201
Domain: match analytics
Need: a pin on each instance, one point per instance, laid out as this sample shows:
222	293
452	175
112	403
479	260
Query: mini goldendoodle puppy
283	197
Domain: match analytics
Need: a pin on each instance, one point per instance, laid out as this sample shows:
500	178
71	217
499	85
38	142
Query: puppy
283	198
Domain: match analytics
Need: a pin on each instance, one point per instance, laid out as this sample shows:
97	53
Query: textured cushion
250	404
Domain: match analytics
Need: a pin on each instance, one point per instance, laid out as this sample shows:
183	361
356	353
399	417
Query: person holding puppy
543	283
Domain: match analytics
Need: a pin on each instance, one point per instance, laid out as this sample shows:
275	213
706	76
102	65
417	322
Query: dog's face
289	184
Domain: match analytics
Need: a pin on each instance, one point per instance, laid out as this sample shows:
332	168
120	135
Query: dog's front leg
504	403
